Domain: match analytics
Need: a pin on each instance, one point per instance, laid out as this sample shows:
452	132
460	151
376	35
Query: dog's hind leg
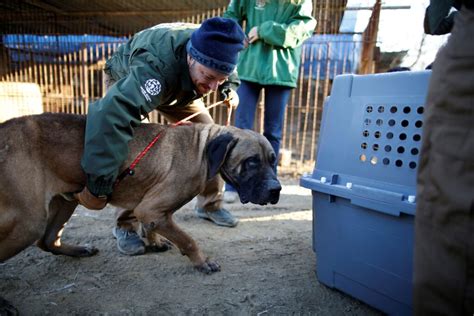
60	212
9	246
17	232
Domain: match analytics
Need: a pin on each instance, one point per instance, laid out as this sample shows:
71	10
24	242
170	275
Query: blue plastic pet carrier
364	187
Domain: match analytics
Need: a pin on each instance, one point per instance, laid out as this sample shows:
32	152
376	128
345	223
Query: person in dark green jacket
276	30
169	68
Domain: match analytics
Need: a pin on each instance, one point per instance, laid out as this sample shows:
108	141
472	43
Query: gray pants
444	221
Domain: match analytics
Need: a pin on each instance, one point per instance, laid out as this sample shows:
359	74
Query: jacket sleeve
235	11
111	120
294	32
438	19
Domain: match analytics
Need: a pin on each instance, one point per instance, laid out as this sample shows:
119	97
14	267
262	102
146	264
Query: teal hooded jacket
283	26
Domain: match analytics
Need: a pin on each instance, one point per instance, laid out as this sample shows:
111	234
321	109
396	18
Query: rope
130	170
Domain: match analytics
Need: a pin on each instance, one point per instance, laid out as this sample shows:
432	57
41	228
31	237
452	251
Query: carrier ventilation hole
363	158
379	122
381	109
420	110
386	161
369	109
391	122
363	145
389	135
401	150
375	147
377	134
365	133
405	123
418	124
393	109
412	165
373	160
402	136
367	121
388	148
414	151
398	163
406	110
416	137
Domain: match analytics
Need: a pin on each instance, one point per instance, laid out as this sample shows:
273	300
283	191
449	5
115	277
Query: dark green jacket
151	71
283	25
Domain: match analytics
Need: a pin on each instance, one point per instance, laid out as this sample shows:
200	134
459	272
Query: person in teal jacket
276	30
169	68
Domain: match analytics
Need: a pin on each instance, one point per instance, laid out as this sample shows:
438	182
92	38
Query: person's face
204	79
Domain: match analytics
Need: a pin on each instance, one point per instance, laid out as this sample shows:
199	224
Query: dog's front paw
208	267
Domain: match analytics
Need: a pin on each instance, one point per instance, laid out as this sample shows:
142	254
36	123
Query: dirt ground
268	268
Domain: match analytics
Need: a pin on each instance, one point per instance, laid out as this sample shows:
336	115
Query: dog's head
245	160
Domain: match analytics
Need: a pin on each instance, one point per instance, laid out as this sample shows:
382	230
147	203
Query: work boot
89	200
221	217
128	242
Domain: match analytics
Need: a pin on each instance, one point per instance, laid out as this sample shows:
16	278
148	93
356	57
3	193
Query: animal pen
52	54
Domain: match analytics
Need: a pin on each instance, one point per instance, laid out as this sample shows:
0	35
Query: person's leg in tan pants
209	202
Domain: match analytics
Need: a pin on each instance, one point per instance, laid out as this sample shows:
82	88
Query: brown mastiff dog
40	160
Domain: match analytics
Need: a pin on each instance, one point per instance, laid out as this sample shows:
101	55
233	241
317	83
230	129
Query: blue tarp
323	54
52	48
331	55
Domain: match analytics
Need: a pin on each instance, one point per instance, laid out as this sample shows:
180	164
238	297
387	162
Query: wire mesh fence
67	68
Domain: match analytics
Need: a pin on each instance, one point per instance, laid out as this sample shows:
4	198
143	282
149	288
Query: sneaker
221	217
230	196
128	242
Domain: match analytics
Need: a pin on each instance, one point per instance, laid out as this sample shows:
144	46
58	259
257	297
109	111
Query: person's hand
231	97
246	42
253	34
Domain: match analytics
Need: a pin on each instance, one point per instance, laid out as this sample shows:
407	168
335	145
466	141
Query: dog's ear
217	151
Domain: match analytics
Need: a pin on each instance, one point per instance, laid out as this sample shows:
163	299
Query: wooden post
369	41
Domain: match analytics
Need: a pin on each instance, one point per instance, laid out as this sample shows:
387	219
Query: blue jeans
276	98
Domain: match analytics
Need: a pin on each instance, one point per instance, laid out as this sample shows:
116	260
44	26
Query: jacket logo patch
152	86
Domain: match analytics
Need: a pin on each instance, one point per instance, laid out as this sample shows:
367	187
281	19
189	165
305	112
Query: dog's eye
252	163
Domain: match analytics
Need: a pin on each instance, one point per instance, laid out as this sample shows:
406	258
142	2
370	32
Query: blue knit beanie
216	44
